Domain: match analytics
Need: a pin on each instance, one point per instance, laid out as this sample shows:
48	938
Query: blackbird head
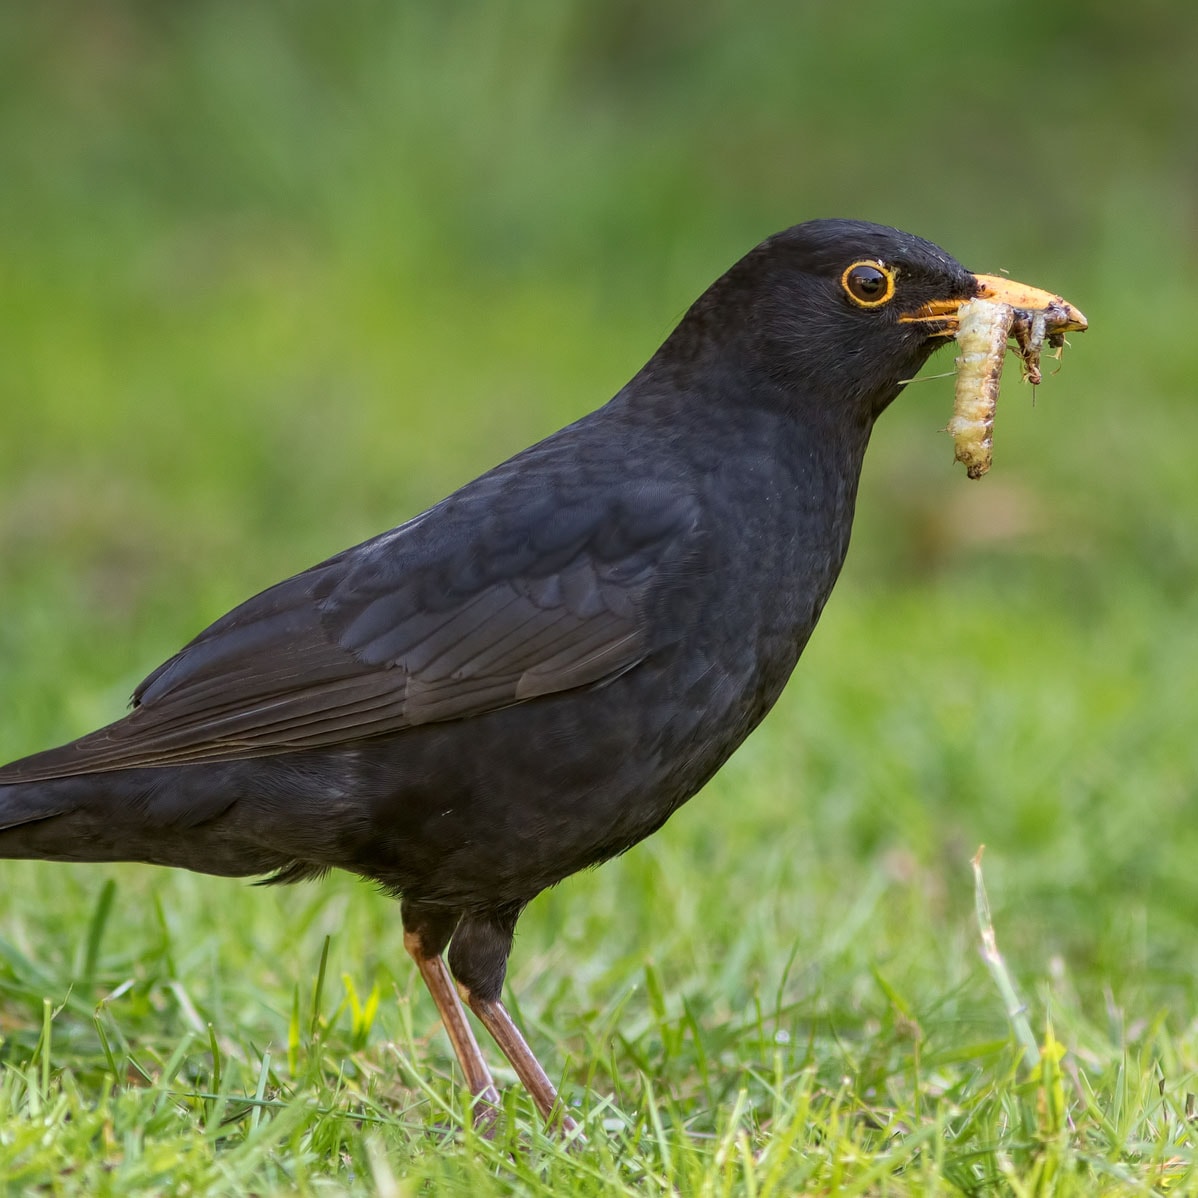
836	315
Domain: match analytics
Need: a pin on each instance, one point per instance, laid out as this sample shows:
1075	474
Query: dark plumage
531	676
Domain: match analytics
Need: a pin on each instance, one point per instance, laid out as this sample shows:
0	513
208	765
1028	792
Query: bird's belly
496	808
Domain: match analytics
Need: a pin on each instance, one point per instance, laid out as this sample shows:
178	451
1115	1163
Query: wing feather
473	606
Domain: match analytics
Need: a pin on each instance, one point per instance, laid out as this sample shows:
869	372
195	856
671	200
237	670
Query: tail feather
27	804
114	817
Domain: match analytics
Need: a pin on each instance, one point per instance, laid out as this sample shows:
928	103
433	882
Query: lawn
272	283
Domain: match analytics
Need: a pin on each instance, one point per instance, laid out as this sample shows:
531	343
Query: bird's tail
22	804
54	821
155	816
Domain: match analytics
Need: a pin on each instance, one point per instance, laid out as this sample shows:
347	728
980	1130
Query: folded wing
489	599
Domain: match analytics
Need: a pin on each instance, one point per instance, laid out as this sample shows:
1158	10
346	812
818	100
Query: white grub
982	331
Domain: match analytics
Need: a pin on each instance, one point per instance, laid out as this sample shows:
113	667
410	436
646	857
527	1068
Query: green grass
271	283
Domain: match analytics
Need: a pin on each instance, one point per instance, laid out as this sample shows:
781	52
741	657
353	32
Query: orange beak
1063	316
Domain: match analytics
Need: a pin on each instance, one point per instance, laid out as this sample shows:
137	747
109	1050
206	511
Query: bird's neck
787	472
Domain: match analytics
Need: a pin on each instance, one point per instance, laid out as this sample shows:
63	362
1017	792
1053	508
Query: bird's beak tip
1066	318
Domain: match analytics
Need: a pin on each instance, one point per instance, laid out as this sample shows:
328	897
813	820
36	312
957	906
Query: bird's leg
425	950
465	1046
512	1044
478	958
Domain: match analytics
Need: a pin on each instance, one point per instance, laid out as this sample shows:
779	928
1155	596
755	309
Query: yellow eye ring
869	284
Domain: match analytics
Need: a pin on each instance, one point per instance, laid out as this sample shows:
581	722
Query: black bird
532	675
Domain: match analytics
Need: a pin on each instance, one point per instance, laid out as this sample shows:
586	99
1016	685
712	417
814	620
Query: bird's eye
868	284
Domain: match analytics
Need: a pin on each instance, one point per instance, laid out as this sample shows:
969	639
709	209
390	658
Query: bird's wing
482	602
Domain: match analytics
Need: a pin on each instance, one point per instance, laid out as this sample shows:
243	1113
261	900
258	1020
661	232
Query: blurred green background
274	278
